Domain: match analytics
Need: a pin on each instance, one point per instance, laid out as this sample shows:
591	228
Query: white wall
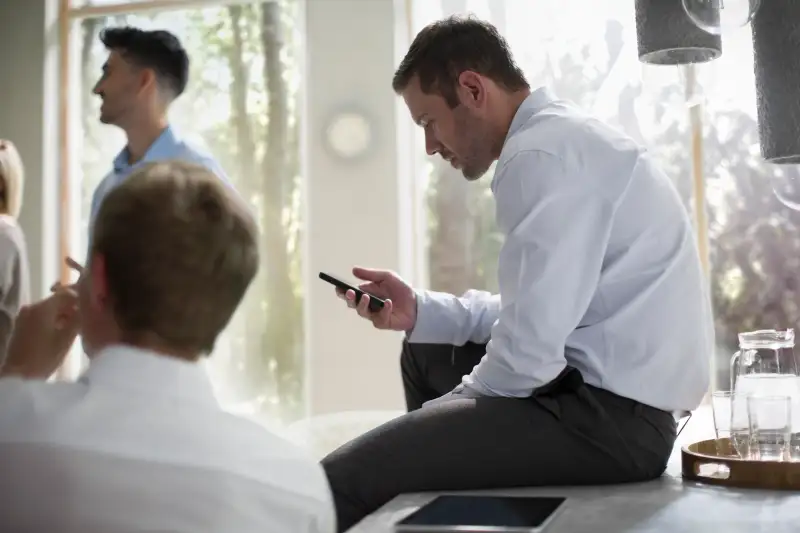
28	70
354	210
354	214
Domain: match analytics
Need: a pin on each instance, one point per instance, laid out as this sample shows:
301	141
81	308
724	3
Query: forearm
20	357
447	319
14	363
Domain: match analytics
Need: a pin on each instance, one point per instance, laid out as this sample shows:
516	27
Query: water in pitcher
770	385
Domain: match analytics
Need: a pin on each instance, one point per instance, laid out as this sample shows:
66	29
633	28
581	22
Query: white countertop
667	504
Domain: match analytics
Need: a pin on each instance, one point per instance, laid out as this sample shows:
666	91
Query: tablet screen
497	511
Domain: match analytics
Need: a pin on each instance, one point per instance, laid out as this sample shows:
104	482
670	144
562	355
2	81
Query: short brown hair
444	49
180	249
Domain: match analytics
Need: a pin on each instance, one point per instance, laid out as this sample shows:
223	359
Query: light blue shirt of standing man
169	145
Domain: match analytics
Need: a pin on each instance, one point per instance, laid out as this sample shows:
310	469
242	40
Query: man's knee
348	509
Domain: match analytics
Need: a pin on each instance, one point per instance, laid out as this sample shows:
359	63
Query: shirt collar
162	148
127	368
535	102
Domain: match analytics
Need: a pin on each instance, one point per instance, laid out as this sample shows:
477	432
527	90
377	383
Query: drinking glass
770	427
731	422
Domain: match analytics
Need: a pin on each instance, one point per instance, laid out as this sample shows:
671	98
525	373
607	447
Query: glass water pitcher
765	365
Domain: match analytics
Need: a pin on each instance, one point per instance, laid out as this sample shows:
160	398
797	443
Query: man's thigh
487	443
432	370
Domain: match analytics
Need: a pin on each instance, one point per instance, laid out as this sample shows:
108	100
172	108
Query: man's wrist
410	330
426	326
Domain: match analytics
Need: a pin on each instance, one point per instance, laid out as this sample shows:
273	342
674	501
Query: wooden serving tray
701	462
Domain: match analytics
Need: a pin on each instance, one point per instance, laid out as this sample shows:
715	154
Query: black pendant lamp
667	36
776	50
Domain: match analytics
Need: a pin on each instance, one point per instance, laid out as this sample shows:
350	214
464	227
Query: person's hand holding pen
72	288
74	265
44	332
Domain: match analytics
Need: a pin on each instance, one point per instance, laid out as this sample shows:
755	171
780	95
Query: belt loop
453	356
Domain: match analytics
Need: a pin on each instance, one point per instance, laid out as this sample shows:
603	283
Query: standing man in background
144	73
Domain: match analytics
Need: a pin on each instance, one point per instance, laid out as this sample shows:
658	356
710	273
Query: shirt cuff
469	383
427	328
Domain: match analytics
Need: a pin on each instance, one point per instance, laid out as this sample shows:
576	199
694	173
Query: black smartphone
375	303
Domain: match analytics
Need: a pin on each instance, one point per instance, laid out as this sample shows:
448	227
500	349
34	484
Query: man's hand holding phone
399	312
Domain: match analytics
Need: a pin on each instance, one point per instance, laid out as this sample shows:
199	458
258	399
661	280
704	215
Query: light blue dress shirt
167	146
599	270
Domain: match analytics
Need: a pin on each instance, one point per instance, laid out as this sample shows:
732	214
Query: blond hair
180	249
12	178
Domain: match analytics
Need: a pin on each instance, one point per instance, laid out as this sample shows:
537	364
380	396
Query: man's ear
98	281
147	80
472	88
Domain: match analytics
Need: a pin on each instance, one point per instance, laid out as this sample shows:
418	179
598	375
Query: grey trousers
567	433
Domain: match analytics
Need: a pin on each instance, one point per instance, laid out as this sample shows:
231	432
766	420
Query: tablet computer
482	514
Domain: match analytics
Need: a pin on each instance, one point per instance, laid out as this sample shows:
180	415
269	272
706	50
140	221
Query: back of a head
12	173
180	249
444	49
158	50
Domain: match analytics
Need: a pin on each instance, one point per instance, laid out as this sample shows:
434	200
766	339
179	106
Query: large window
755	240
242	105
592	60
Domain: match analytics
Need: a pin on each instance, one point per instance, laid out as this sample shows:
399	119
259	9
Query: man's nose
432	146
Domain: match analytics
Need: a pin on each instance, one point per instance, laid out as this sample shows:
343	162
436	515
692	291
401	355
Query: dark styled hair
448	47
158	50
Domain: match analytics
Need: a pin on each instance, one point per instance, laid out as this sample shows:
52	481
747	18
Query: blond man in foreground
139	442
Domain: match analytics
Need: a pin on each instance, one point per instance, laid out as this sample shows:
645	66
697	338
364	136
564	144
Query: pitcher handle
734	364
